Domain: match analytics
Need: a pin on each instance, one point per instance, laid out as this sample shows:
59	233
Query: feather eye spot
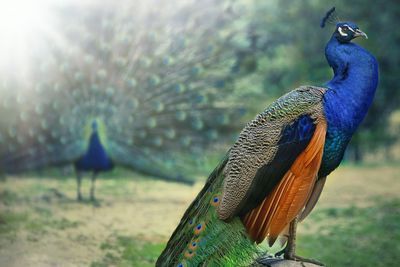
196	70
215	200
194	244
197	124
154	80
189	254
199	228
179	88
151	123
186	141
170	133
181	115
212	134
131	83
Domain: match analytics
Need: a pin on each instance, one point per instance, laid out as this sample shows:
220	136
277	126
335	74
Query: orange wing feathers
290	196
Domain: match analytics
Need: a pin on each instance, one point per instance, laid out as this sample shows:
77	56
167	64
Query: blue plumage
300	130
350	93
95	158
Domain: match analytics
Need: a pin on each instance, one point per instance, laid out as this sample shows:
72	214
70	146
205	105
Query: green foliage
128	251
11	221
8	197
37	221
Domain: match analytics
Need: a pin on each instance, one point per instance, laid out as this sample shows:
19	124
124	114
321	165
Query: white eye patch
342	33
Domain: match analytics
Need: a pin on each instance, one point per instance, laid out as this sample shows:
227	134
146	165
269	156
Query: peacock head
347	31
94	125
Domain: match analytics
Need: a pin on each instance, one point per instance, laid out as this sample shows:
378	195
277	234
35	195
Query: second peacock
140	84
273	175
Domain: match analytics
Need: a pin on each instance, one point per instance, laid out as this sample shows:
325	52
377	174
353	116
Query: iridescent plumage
275	172
154	75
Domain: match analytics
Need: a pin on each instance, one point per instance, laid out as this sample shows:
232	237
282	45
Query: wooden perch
270	262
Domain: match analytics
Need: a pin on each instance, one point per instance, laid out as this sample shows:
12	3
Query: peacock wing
273	166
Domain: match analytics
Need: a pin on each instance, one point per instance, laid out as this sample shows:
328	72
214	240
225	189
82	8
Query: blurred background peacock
125	85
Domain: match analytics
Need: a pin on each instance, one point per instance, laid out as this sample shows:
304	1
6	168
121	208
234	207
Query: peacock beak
359	33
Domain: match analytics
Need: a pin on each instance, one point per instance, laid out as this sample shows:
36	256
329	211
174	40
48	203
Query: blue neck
353	86
95	148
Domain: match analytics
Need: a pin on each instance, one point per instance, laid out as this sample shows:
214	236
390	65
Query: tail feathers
36	157
157	85
203	239
150	164
179	237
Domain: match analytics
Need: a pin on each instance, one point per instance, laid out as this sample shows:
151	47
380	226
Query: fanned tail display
153	75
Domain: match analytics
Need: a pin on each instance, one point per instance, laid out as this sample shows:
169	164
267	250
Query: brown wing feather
290	196
312	201
252	164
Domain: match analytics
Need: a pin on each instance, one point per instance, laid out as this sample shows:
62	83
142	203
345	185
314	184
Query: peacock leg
78	181
289	252
291	242
93	186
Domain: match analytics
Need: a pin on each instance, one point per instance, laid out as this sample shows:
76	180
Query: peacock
273	175
147	92
95	159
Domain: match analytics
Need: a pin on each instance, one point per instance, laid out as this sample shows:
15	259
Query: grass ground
356	222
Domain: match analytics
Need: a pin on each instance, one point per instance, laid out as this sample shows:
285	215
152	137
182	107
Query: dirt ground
52	229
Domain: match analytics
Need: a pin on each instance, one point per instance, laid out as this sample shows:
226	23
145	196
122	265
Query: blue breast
95	158
349	96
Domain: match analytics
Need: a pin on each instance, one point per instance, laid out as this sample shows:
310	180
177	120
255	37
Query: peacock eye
345	28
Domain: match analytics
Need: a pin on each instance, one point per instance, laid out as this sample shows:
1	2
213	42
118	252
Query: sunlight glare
21	24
